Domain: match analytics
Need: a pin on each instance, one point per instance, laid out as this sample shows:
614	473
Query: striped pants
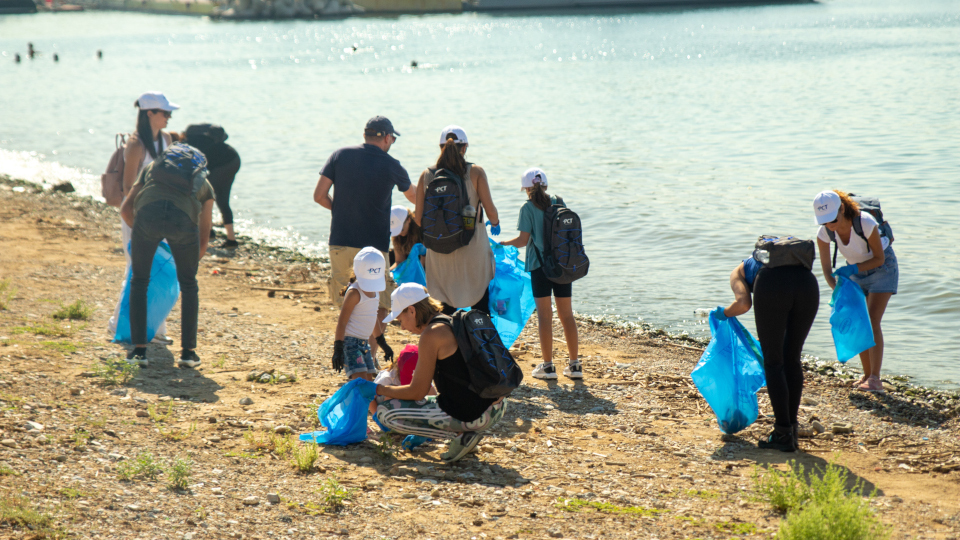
425	418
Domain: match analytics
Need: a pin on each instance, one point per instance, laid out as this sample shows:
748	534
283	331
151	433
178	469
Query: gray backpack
866	204
773	251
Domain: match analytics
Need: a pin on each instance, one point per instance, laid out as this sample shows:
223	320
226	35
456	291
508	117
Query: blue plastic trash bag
410	270
729	373
850	320
162	295
344	414
511	295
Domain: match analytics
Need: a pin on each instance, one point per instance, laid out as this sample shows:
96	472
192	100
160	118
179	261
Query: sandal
873	384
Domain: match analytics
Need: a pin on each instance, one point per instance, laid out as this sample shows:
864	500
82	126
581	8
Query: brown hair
353	278
425	310
538	195
403	244
850	207
451	157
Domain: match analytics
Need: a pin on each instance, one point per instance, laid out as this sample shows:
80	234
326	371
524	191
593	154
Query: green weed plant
7	292
304	456
144	466
333	494
20	514
115	371
579	505
178	474
77	311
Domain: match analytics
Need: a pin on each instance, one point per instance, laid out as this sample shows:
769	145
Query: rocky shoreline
634	436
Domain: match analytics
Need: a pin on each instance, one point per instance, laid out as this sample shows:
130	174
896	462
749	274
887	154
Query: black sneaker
778	441
213	233
795	431
138	356
189	359
230	244
461	446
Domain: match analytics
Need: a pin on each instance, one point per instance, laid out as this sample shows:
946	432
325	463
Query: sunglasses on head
166	114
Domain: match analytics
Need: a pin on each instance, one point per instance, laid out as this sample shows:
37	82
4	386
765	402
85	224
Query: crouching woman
456	413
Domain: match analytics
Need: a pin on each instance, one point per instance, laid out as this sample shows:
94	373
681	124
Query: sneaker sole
574	375
188	363
141	363
465	450
546	377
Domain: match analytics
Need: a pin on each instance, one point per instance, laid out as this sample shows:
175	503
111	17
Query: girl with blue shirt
534	181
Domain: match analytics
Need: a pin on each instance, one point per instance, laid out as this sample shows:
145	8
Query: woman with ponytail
460	279
149	141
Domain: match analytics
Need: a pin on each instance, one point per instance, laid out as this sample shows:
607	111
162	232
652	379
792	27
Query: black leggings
221	179
483	304
785	302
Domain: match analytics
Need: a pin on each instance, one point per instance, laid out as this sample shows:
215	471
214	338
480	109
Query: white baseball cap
370	269
533	175
155	100
826	205
459	135
398	216
403	297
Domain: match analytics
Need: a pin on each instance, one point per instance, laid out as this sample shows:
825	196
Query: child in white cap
534	182
358	315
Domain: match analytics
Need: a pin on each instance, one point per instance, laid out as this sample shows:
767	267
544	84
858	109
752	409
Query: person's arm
411	194
126	208
206	223
429	347
520	241
350	301
738	284
418	211
132	157
825	264
483	190
876	248
321	195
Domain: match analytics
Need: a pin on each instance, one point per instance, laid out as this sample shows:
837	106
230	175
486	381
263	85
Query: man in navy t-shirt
364	177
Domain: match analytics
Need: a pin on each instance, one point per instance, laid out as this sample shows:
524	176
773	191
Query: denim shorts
883	279
356	356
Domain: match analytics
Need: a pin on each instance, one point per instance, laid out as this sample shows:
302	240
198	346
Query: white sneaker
135	359
545	371
573	371
161	339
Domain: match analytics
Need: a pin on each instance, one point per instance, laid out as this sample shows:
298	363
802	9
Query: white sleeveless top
364	316
147	158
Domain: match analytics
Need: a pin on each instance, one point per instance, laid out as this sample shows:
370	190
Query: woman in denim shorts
872	264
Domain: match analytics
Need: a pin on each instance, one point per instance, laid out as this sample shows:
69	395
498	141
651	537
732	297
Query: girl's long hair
850	207
538	195
145	133
451	157
353	278
403	244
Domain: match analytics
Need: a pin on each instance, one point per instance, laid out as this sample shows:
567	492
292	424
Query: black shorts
543	287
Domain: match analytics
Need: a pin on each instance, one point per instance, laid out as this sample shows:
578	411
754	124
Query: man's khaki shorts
341	267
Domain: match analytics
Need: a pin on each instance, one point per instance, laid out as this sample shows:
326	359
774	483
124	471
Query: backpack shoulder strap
858	228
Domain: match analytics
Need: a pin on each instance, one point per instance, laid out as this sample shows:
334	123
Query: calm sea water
678	136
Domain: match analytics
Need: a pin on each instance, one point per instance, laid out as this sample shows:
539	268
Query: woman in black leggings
223	161
785	301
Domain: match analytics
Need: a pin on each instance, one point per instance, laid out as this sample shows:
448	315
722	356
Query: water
678	136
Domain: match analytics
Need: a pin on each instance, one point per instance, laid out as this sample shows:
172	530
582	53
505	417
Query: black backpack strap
448	320
858	228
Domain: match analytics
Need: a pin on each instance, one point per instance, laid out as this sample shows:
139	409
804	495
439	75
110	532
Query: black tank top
455	398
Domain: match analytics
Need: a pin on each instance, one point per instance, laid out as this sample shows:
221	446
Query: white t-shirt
364	315
857	250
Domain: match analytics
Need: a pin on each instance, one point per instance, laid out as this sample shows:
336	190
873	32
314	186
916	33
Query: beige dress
459	279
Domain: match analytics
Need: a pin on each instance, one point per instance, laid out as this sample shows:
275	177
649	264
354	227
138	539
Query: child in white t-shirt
358	315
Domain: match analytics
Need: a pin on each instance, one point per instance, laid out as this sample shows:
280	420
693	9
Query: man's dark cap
378	126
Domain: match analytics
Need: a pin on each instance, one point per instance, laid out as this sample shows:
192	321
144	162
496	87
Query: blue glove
718	313
847	271
367	389
412	441
495	230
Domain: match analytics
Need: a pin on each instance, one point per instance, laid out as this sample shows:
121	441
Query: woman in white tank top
154	111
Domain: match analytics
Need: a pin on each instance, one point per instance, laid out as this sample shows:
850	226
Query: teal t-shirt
531	221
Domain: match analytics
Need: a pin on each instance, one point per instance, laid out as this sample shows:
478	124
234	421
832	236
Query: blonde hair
425	310
353	278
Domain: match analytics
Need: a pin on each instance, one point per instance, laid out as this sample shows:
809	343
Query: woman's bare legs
545	327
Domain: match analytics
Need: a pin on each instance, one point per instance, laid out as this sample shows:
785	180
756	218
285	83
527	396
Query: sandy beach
634	434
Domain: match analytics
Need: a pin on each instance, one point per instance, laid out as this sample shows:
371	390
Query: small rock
251	501
122	392
809	401
75	391
61	458
214	439
817	427
212	419
374	483
64	187
110	433
806	433
282	430
9	443
366	459
189	536
283	379
435	493
133	508
143	414
33	426
554	533
826	436
246	401
266	377
477	522
839	428
273	498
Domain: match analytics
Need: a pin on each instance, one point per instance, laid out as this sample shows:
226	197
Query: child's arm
518	242
350	301
483	191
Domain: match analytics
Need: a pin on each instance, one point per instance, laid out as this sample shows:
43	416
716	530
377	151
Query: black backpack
444	199
493	371
773	251
563	259
205	136
182	167
866	204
